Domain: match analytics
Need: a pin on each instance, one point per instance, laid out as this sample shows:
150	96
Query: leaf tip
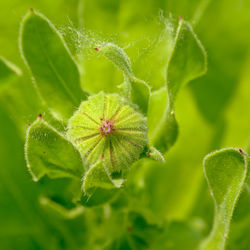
156	155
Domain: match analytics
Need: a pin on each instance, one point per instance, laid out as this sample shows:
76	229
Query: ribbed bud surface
106	127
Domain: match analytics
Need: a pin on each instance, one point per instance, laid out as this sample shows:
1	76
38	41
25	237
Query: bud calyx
106	127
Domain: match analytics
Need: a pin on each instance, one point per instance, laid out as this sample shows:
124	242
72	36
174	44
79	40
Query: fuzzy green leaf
187	62
140	93
226	172
154	154
98	187
118	57
97	177
49	153
55	72
133	88
156	111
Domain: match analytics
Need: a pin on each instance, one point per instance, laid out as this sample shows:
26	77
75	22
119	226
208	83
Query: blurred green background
171	205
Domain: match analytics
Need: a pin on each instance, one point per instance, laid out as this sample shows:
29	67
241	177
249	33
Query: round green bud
106	127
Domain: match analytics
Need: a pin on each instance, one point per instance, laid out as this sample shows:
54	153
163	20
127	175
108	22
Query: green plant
109	134
107	130
103	159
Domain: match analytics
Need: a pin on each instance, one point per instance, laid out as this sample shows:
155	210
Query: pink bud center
107	127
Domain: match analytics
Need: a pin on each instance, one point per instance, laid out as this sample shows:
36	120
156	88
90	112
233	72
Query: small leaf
133	88
156	110
49	153
97	177
140	93
98	187
55	72
118	57
226	172
187	62
154	154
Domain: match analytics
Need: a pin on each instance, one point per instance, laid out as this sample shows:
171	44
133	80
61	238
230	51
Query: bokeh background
173	209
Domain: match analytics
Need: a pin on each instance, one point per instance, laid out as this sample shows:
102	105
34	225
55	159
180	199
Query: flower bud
106	127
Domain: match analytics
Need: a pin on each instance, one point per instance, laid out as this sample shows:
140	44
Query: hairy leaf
55	73
154	154
133	88
226	172
98	186
97	177
187	62
49	153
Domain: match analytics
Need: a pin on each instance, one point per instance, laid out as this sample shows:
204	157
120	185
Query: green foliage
55	72
226	172
187	62
154	154
97	177
101	92
133	88
49	153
